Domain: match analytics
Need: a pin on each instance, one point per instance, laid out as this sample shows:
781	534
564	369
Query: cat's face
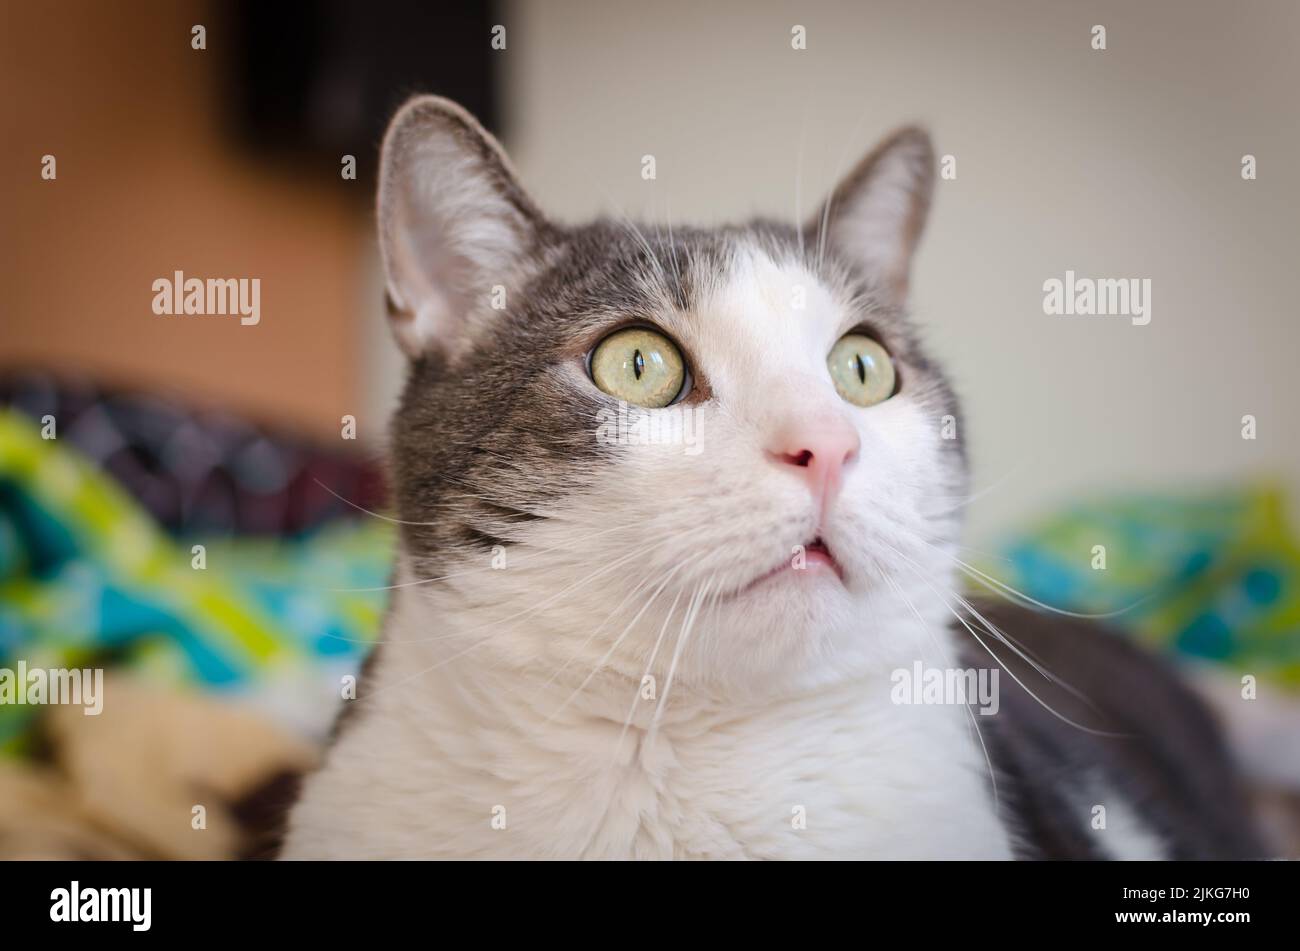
779	520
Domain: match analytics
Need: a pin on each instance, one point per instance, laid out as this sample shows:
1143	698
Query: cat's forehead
717	289
776	298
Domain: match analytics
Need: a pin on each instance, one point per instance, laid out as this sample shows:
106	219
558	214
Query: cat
613	647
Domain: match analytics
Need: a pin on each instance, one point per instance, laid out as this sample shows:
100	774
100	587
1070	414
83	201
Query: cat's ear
454	224
874	217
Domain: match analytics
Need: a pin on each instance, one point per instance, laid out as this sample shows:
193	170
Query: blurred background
226	160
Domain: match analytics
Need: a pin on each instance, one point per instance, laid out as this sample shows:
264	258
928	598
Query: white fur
506	692
1126	836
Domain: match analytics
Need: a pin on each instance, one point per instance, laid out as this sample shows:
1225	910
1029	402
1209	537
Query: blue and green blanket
1213	576
88	579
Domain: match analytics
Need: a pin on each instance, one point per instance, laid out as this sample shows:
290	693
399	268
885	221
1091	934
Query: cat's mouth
812	558
818	552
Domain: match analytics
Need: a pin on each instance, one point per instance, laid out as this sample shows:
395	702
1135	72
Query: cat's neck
588	764
434	636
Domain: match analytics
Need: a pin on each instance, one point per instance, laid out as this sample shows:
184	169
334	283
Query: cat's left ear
454	224
874	217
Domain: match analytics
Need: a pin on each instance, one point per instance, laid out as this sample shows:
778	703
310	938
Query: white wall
1123	163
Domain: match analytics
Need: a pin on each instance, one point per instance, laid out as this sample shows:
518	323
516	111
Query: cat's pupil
638	364
862	368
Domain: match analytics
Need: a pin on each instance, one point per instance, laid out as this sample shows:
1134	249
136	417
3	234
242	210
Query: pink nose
821	453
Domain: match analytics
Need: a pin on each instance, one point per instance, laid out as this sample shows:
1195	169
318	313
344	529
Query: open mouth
818	552
818	548
816	558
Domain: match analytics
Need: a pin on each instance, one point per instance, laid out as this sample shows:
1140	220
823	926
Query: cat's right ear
453	224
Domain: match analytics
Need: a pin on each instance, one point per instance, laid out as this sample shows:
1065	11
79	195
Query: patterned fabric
199	471
1214	577
87	578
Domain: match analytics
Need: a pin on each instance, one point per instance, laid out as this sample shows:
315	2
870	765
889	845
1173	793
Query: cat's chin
815	567
818	579
817	624
787	613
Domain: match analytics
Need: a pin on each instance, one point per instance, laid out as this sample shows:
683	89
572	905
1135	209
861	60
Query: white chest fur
464	758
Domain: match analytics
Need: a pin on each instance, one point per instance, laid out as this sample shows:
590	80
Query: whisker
798	184
688	624
460	574
619	640
993	584
1060	716
617	563
479	642
636	692
993	779
362	508
1010	593
996	631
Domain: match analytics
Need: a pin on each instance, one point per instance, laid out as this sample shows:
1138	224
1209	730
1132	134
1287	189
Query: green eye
862	370
639	366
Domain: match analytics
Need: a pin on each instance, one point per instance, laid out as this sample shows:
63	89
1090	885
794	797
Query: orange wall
147	184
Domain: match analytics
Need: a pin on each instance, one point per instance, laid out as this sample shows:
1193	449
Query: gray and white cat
608	646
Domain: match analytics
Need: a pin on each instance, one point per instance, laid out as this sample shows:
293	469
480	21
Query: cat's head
638	447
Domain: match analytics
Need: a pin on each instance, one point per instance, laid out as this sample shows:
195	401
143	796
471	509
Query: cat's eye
861	370
640	366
